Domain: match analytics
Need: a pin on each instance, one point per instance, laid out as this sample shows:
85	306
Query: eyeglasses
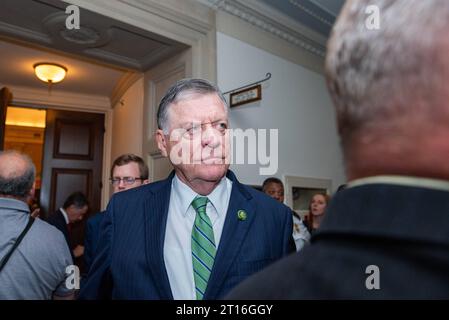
196	129
126	180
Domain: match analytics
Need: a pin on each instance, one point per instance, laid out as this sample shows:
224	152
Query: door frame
193	25
40	99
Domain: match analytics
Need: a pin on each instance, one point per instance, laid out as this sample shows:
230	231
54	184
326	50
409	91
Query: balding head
378	76
17	174
389	86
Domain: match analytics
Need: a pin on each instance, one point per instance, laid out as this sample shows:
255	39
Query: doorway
24	132
66	148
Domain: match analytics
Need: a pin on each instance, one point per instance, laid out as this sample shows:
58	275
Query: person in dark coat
386	236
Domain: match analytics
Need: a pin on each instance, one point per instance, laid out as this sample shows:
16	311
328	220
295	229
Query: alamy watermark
372	22
372	282
72	281
230	146
73	20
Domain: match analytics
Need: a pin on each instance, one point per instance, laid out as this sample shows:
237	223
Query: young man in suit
198	233
74	209
128	171
386	235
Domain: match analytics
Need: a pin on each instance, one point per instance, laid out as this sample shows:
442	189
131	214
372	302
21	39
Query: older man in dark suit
74	209
198	233
386	236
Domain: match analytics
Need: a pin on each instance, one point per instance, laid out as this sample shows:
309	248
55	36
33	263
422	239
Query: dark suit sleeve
58	221
288	242
88	244
98	284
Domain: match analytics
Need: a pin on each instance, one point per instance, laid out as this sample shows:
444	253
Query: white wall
128	122
295	101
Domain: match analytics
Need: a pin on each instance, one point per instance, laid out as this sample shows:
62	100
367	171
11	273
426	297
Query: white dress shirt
64	214
300	233
177	244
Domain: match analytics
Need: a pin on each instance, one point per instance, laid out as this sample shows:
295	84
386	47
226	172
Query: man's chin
213	172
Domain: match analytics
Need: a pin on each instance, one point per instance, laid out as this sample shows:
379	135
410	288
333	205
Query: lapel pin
241	214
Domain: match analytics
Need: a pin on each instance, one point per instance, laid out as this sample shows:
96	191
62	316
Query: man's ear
146	181
32	192
161	142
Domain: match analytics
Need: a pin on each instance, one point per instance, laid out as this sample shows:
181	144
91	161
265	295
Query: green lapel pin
241	214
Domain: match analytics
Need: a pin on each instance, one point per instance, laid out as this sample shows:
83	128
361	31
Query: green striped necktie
203	246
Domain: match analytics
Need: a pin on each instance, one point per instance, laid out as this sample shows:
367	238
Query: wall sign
245	96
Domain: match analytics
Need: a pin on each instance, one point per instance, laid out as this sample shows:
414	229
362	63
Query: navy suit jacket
57	219
129	261
91	238
401	230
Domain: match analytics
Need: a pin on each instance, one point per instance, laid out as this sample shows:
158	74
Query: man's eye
222	126
193	131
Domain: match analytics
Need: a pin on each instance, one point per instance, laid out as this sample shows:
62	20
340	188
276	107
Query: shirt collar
11	203
185	195
64	214
428	183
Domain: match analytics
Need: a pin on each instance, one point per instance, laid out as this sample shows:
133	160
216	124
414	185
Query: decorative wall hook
267	77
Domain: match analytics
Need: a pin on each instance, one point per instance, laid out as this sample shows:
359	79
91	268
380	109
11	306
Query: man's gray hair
179	91
17	183
385	75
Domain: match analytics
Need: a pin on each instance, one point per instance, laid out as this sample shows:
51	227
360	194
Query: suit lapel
232	238
156	211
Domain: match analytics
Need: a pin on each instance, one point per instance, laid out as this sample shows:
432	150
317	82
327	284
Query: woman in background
317	208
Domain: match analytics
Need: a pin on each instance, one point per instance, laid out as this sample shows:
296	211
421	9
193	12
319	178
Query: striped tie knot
203	246
199	204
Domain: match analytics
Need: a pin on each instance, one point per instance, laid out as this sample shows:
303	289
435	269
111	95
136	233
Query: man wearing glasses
128	171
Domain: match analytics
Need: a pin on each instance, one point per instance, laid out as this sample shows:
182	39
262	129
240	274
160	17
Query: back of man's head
389	85
17	174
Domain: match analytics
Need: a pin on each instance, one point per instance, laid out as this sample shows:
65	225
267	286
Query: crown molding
125	82
23	33
311	13
26	96
269	20
319	5
187	13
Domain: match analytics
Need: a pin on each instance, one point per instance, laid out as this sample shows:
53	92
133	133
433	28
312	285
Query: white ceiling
97	56
16	69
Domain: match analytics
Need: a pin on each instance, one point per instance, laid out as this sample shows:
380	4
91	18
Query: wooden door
73	157
5	99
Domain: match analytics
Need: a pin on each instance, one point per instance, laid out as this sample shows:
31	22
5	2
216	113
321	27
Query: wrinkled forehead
197	107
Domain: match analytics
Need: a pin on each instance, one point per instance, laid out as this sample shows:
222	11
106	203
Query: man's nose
210	137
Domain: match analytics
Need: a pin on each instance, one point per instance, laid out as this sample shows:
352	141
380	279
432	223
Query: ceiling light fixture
50	72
